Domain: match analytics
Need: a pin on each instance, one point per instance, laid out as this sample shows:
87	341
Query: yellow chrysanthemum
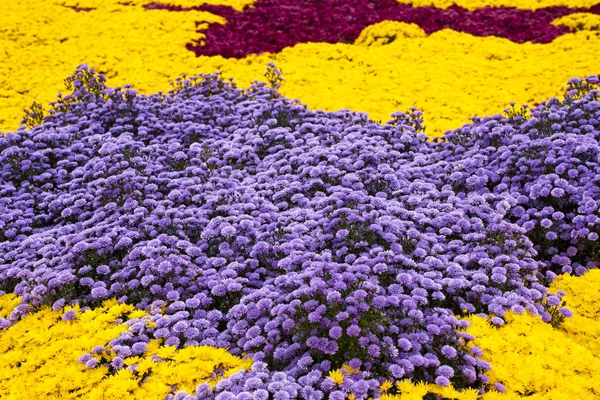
350	370
530	356
405	386
336	376
386	385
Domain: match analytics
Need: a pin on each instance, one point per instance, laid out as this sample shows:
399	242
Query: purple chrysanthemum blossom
442	381
449	352
445	371
499	387
69	315
565	312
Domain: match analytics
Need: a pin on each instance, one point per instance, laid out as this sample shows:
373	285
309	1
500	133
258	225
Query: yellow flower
386	385
336	376
137	314
350	370
382	33
110	303
132	360
421	388
469	394
528	355
166	351
405	386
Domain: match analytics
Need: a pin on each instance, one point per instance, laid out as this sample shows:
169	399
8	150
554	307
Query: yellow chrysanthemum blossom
350	370
386	385
583	298
336	376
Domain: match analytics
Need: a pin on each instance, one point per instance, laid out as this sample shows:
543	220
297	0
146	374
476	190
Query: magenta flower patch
271	25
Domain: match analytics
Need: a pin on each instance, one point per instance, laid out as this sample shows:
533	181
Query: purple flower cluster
272	25
543	166
306	239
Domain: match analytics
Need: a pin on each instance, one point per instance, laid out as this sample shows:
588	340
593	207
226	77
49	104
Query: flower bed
226	242
39	357
451	76
271	26
310	241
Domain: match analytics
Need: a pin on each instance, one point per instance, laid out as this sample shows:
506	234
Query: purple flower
335	332
117	362
374	351
565	312
449	352
442	381
85	358
69	315
58	304
305	361
172	341
353	330
139	348
99	292
518	309
553	301
445	371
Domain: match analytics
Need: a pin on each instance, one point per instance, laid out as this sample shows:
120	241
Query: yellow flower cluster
536	361
583	298
523	4
338	375
417	391
7	304
39	358
450	76
386	32
579	21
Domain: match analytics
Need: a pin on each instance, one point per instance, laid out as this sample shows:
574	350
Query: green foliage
274	76
517	116
34	115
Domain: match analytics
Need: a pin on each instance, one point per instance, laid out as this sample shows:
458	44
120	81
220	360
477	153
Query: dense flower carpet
331	200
